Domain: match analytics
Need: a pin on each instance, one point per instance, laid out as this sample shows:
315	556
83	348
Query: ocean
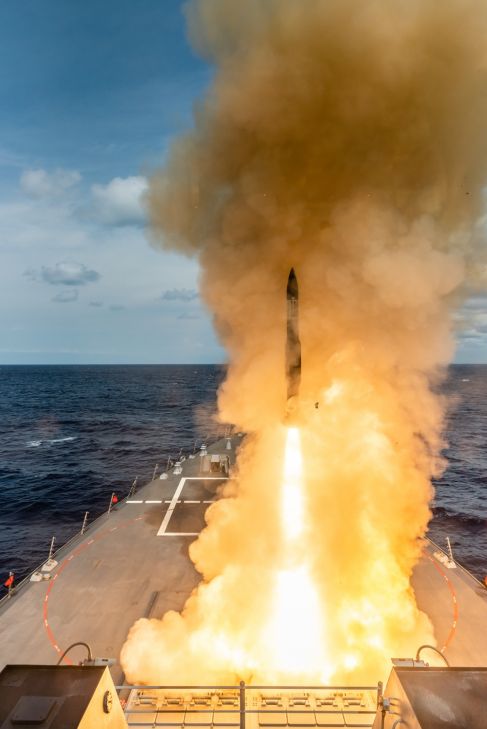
72	435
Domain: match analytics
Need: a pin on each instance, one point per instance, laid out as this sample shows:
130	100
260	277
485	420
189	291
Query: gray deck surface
124	568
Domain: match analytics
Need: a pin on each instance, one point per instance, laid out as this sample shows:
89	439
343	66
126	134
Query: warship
62	628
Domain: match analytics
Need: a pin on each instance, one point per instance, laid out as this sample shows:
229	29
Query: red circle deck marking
65	563
454	600
125	524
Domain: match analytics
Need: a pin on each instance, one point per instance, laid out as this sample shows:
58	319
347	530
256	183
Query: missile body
293	345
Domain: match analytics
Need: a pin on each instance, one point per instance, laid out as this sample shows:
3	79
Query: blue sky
91	93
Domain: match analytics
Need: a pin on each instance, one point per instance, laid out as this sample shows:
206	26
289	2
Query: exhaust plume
347	140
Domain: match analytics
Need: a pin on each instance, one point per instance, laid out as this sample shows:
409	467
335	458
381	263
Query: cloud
42	184
64	273
96	303
66	296
179	295
475	305
120	201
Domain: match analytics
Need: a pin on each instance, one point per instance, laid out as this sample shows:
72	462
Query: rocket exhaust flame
346	139
296	621
292	489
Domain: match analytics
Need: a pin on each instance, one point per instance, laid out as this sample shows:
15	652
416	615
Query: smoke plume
348	140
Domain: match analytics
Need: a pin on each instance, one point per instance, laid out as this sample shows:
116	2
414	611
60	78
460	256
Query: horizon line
164	364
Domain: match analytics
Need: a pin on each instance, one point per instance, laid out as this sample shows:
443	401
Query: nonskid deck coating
134	563
118	571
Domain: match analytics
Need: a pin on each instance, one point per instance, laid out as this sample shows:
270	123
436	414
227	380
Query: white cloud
65	273
66	296
120	201
43	184
60	244
179	295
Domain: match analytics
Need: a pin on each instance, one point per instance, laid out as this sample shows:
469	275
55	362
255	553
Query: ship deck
134	562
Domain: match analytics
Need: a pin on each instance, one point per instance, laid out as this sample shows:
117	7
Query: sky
91	95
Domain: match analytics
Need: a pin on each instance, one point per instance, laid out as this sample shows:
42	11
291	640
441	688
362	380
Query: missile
293	345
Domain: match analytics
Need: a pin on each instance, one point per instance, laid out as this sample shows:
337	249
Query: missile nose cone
292	285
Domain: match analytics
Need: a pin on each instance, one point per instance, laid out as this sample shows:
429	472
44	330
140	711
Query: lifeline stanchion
113	500
450	551
133	488
156	468
85	522
51	562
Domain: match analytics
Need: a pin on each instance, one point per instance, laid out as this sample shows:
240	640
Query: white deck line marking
211	501
135	502
70	557
171	507
57	647
46	623
153	502
191	502
91	541
170	502
181	534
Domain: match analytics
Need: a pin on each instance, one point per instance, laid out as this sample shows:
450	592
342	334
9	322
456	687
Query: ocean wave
50	480
50	441
461	519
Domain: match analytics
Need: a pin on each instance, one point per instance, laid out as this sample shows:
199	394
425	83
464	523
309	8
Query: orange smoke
346	139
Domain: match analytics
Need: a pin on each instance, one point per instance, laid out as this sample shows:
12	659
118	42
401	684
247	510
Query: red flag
9	582
114	499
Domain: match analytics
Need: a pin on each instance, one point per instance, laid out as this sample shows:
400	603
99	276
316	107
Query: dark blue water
69	436
460	505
